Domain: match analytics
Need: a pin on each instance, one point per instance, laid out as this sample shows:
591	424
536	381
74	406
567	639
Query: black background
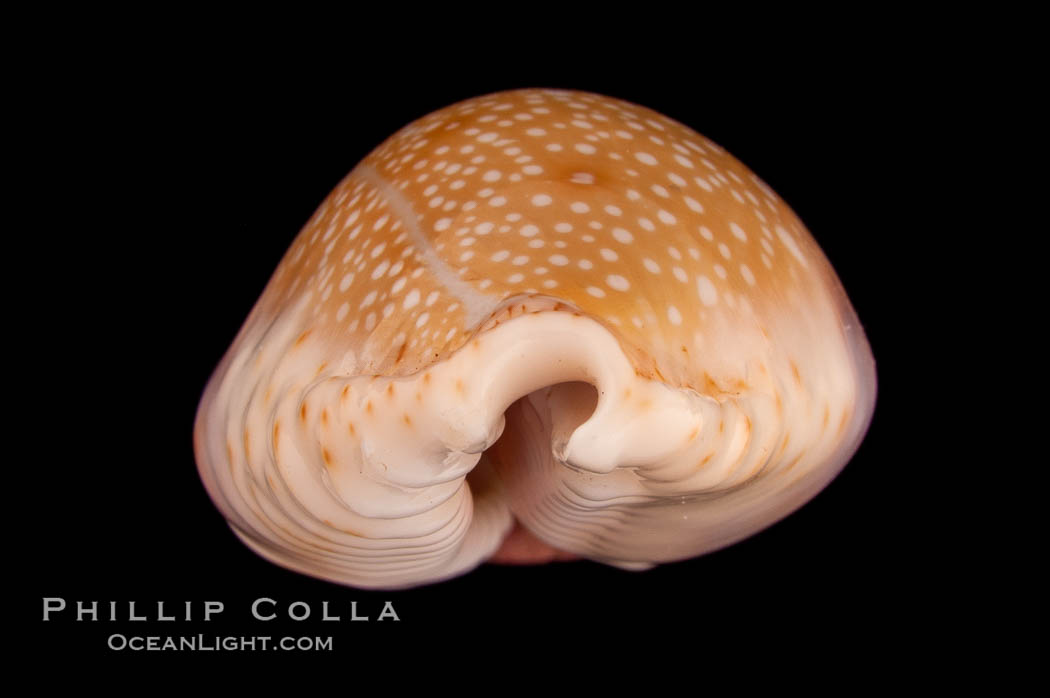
173	182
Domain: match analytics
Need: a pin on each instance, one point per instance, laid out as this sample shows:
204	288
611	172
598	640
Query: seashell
542	306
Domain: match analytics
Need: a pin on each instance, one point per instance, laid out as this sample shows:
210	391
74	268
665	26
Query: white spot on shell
381	269
706	290
789	242
412	299
745	272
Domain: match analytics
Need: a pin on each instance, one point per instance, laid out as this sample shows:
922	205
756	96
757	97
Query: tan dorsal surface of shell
668	356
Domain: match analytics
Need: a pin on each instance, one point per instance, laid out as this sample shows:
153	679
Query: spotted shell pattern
731	378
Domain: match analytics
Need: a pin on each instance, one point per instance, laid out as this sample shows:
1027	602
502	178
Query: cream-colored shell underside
515	246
